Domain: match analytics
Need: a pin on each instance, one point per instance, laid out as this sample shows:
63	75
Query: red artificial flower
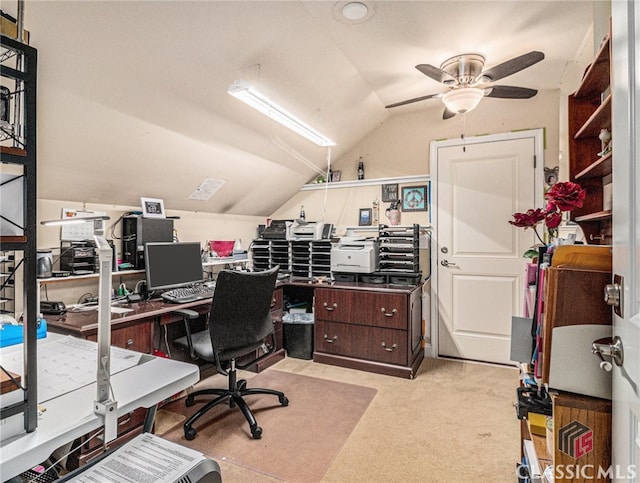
529	219
566	195
552	219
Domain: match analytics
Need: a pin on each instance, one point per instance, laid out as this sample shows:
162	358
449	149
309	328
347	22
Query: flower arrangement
561	197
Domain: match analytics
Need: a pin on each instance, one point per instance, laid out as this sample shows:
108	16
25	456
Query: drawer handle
389	349
330	341
125	421
330	308
129	342
389	314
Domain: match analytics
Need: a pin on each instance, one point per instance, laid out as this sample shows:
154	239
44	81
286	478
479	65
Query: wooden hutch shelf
589	113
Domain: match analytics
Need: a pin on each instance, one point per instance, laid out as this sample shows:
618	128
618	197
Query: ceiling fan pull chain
463	122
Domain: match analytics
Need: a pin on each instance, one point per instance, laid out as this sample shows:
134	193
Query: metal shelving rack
7	283
18	70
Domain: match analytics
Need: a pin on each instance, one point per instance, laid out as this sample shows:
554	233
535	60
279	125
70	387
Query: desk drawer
371	343
362	308
136	337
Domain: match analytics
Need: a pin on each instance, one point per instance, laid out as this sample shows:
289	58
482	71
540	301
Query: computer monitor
169	265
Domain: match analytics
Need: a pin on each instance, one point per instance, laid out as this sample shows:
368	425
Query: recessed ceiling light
353	12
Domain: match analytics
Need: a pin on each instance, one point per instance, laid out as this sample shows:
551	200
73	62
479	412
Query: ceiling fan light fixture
463	100
251	97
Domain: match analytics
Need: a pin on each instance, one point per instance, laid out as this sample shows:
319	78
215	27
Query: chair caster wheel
242	384
189	401
284	401
256	432
189	434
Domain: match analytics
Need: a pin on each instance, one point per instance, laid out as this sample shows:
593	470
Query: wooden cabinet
372	329
589	113
577	444
581	438
137	337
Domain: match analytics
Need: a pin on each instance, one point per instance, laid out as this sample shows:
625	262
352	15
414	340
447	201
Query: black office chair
238	323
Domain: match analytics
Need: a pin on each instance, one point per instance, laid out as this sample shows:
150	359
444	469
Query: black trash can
298	335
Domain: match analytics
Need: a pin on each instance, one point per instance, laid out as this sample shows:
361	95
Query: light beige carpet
320	418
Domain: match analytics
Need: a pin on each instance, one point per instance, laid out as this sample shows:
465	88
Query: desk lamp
103	404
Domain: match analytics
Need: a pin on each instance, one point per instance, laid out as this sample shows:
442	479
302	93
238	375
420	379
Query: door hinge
535	161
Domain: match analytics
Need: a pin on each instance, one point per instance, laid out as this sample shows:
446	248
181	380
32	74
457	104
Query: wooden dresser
371	328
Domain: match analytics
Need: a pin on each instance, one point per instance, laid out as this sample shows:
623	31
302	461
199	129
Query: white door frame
431	349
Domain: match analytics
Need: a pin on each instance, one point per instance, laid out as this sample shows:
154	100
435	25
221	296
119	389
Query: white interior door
626	236
480	267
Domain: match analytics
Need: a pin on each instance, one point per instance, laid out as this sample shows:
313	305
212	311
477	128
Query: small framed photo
365	217
152	208
414	198
389	192
335	176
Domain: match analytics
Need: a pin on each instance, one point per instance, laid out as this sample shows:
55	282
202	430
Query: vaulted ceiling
132	96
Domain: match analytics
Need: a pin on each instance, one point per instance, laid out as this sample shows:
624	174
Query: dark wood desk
131	330
371	327
136	330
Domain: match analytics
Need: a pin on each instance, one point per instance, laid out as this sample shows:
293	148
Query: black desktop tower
136	231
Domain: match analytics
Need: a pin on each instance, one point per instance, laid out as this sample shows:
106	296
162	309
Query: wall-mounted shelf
589	112
366	182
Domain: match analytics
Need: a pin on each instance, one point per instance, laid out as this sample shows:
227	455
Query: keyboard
182	295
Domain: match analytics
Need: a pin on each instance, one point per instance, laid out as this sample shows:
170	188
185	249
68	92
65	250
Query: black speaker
136	231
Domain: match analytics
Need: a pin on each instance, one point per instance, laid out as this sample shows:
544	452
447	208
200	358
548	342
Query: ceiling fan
468	83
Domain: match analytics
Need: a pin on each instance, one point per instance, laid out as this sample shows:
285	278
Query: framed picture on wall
152	208
365	217
389	192
414	198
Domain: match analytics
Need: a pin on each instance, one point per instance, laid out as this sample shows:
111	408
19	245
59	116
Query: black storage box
297	331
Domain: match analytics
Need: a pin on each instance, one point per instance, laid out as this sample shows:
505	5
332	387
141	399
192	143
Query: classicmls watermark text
587	472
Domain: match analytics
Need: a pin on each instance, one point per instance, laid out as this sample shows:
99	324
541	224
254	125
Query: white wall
400	147
192	226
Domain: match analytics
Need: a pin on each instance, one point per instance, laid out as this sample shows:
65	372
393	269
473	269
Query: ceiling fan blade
436	73
447	114
510	92
410	101
512	66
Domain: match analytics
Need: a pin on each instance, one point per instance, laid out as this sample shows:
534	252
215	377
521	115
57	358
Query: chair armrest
188	315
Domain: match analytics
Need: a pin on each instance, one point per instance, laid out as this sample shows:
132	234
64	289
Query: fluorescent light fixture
266	106
73	221
462	100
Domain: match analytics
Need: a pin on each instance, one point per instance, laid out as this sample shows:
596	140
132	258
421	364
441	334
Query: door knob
608	347
447	263
613	294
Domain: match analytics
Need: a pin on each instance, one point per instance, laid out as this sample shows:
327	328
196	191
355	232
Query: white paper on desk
146	458
66	364
120	310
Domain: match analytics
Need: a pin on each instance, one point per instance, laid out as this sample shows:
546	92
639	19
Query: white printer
354	255
308	230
